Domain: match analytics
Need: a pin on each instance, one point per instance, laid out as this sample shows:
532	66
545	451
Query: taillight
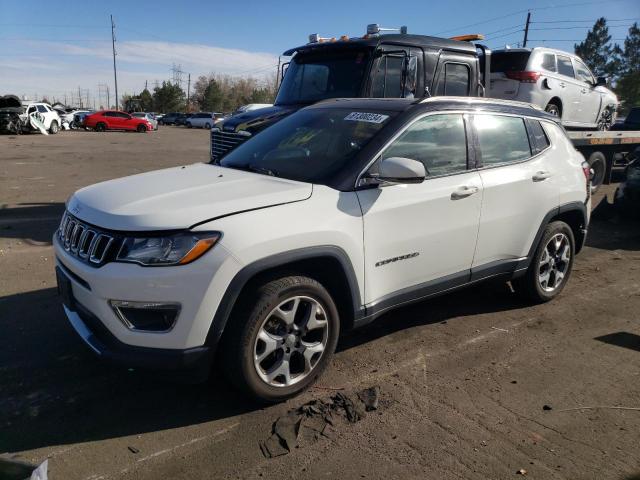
524	77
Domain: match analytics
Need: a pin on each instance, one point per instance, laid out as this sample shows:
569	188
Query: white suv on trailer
324	221
557	81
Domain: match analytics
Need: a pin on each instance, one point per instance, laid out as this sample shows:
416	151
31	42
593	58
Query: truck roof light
376	29
315	38
468	38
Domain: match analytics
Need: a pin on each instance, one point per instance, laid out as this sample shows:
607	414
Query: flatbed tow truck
389	62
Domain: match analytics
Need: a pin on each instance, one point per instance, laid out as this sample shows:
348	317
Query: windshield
309	145
318	76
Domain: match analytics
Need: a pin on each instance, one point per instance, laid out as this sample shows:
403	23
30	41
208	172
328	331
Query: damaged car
18	116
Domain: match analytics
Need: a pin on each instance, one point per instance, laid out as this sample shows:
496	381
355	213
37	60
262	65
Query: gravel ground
464	378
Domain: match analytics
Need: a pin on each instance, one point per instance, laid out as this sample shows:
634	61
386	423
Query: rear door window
42	109
502	139
565	67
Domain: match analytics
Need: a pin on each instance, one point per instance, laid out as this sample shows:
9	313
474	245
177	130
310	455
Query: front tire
550	266
100	127
141	128
279	345
598	163
54	128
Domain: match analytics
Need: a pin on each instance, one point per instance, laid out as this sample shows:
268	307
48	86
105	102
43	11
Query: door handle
584	90
464	192
562	84
540	176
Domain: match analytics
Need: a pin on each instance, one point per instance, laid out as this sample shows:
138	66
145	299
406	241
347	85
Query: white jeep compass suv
320	223
557	81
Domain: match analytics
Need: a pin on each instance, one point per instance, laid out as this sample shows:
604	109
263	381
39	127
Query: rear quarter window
537	137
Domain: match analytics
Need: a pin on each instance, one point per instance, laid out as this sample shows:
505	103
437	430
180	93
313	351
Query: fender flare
242	278
567	207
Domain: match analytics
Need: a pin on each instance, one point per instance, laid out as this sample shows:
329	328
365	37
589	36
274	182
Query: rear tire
100	127
54	128
281	338
188	124
141	128
550	266
554	109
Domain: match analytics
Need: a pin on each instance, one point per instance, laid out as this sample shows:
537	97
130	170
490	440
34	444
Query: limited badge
366	117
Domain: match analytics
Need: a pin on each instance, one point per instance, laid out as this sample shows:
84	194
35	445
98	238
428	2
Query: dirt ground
464	378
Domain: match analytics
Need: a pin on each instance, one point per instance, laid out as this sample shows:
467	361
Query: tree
168	98
597	52
628	85
146	100
213	98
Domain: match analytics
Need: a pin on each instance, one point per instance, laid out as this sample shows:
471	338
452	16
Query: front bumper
198	287
106	346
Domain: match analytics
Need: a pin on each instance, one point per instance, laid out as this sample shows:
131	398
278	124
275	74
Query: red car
116	120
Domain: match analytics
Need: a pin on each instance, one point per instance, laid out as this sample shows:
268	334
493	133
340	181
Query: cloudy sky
53	48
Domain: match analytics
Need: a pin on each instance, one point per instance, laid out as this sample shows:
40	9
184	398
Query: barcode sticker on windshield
366	117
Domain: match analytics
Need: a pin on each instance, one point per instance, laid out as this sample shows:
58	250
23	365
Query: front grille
223	142
90	244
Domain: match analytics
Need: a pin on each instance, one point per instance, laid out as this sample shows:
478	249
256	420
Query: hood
255	120
178	198
10	102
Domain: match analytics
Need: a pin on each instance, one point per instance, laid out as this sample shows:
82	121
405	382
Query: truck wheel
550	266
141	128
282	341
553	109
188	125
54	128
100	127
207	125
598	163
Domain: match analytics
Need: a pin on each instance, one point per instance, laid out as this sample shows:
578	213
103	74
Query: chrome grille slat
224	142
83	241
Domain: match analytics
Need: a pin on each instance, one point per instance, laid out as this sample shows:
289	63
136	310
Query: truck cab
377	65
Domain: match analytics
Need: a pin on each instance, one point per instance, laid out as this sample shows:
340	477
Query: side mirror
401	170
601	81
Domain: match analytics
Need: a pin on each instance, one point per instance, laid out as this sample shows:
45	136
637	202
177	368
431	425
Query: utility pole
278	73
188	89
526	30
113	45
79	97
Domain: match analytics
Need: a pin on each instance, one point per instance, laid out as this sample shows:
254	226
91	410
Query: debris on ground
133	449
310	421
547	407
522	472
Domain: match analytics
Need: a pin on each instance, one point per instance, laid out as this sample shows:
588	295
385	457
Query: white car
201	120
333	216
150	117
45	113
557	81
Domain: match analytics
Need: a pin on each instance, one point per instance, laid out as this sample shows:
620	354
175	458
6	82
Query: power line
575	28
525	11
504	34
587	21
568	40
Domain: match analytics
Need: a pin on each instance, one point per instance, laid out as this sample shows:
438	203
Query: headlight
177	249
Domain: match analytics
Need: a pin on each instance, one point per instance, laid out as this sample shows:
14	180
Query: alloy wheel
291	341
554	262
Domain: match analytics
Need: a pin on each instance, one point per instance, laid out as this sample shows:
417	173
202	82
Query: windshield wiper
262	170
